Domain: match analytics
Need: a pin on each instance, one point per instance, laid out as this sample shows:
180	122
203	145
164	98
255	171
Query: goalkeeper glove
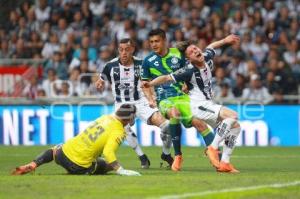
124	172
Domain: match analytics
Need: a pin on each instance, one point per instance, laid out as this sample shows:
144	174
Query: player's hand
145	84
99	84
125	172
232	39
185	89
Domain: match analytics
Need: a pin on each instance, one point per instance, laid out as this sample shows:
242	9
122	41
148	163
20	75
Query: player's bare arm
100	83
229	40
158	81
149	94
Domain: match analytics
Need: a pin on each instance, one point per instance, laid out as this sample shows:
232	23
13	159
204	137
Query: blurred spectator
85	45
85	73
35	44
104	56
256	92
258	48
41	93
42	11
51	46
292	57
47	84
63	90
58	65
225	93
239	85
78	88
219	79
20	51
5	52
32	23
31	89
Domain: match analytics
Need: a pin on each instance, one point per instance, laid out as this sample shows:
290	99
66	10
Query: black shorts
98	167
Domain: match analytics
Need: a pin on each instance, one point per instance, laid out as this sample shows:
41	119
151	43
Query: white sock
165	137
221	132
229	144
132	141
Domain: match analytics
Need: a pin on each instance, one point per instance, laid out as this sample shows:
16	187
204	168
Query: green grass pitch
267	172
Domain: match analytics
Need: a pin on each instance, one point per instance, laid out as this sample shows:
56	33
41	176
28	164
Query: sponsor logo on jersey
152	58
174	60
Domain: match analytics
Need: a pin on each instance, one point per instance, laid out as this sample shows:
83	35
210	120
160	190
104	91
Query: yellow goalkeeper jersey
102	137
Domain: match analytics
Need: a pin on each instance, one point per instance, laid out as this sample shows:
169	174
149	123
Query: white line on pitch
238	189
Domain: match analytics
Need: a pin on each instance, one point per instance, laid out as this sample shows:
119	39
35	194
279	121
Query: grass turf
258	166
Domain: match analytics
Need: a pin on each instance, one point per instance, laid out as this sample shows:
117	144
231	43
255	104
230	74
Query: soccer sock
165	137
208	136
221	132
45	157
175	129
132	141
229	144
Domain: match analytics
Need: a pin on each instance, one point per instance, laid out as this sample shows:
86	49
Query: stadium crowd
75	38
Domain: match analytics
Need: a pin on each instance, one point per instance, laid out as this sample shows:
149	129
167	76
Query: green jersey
154	66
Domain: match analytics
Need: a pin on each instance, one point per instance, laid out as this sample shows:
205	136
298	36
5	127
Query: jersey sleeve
209	54
112	145
145	70
105	73
182	75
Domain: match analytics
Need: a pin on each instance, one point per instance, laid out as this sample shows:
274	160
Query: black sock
175	130
45	157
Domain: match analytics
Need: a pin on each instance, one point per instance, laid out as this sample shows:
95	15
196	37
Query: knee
199	124
234	116
236	125
174	113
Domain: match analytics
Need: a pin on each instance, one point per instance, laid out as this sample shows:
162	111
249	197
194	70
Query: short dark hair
126	111
126	41
157	32
183	45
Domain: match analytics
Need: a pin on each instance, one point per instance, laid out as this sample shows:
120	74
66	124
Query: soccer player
199	74
123	73
173	103
80	155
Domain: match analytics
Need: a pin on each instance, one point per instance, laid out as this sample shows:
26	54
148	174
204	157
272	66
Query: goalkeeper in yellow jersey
81	154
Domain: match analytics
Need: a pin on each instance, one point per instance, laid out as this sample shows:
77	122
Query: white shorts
207	111
143	110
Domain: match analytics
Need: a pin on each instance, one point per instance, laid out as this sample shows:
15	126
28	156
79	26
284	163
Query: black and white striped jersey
125	80
199	78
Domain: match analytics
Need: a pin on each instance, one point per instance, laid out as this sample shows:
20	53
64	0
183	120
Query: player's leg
100	167
43	158
209	112
132	141
228	119
229	145
169	109
229	139
158	120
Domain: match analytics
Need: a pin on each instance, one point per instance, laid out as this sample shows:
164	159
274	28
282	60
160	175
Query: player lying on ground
123	73
173	103
199	74
81	154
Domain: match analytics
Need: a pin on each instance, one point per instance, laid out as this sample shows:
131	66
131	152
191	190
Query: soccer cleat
21	170
145	162
213	155
177	163
168	158
227	168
